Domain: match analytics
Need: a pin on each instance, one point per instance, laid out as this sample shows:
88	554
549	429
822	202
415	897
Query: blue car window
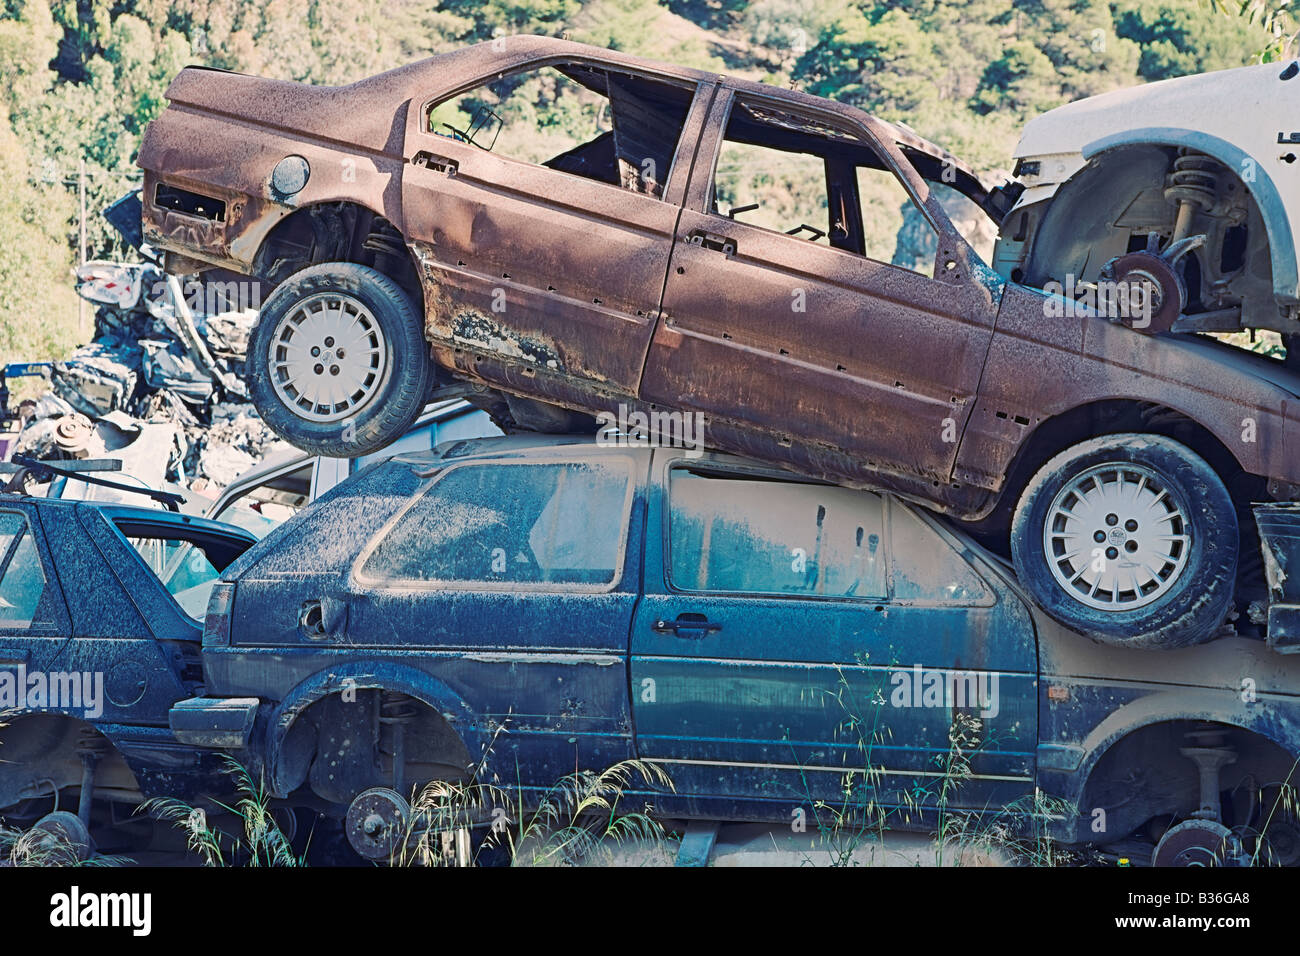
752	535
184	570
22	579
510	524
926	568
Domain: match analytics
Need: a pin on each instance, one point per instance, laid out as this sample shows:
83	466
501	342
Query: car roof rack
82	470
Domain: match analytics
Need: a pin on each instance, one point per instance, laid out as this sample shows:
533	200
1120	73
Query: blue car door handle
687	625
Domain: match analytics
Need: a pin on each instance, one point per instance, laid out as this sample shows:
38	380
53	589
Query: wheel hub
1198	843
1117	537
328	356
377	822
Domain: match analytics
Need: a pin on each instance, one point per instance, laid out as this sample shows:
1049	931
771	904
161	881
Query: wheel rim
327	357
1117	537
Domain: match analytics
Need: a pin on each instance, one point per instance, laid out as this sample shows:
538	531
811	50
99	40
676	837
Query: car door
512	582
33	616
805	337
545	246
789	634
138	603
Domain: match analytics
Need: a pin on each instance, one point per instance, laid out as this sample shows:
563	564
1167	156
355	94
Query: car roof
368	103
118	512
465	449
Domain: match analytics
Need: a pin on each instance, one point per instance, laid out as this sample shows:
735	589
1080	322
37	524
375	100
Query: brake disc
377	823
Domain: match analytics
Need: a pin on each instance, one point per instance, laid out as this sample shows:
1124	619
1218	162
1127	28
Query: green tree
1022	80
886	66
39	319
1177	40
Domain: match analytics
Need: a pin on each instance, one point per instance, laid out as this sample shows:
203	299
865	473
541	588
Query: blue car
508	609
101	611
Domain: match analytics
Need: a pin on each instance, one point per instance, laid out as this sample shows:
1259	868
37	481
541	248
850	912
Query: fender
367	675
1286	283
1273	717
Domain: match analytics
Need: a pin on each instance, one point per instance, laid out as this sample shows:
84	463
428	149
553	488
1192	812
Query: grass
41	847
578	819
259	842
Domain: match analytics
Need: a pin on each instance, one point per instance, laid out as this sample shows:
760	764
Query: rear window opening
509	525
193	204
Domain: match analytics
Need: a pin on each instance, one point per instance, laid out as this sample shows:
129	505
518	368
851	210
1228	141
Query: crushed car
417	243
100	626
159	387
779	646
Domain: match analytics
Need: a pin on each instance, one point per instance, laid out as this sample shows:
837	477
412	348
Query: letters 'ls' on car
417	242
516	607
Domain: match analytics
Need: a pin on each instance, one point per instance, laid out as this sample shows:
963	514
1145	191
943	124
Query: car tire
1130	539
327	403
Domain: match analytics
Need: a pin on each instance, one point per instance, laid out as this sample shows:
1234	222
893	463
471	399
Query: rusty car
719	248
504	610
100	626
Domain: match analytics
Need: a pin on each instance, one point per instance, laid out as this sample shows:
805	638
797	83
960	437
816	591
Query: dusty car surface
646	270
1102	176
761	636
100	611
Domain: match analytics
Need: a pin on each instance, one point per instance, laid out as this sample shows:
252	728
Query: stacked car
791	385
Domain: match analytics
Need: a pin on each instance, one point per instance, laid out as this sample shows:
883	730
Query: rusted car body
784	649
609	279
720	339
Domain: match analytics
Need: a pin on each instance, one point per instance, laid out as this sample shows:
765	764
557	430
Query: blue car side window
510	524
926	569
22	579
743	534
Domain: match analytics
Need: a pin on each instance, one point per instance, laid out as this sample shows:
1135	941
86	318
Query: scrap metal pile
159	387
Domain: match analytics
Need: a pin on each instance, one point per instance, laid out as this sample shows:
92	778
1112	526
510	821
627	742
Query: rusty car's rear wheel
338	364
1131	539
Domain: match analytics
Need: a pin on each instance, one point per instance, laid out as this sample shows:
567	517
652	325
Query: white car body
1238	118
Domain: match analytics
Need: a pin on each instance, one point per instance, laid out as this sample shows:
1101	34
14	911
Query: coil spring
1194	179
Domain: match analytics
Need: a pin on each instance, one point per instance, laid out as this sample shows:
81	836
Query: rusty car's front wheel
338	365
1131	539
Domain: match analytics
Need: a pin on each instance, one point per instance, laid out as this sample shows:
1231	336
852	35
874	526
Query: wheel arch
1272	208
1165	712
1109	416
338	231
365	675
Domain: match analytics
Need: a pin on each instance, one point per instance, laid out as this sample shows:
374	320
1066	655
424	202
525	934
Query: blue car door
800	642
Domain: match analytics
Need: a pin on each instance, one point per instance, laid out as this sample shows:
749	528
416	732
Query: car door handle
439	164
708	240
687	625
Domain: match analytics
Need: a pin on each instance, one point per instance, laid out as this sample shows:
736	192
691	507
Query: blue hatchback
100	626
518	607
